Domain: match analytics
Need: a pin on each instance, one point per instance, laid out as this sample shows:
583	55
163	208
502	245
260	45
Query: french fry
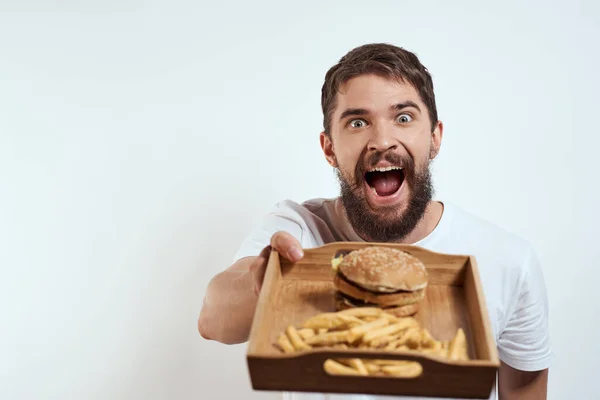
413	341
372	368
427	340
357	332
463	351
390	317
285	343
323	321
393	344
435	350
331	321
305	333
344	361
351	321
402	340
335	368
409	370
369	319
358	365
390	329
297	342
457	348
328	339
383	341
390	362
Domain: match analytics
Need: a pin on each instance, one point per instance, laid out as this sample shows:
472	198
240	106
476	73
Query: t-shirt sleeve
278	219
525	341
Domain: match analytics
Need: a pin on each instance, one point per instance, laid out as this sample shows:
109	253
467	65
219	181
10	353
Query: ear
327	146
436	140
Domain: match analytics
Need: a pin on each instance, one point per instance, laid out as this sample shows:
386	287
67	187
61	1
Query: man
381	132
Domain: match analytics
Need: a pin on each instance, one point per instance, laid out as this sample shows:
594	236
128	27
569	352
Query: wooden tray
454	299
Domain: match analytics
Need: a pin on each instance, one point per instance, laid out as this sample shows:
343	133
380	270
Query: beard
386	224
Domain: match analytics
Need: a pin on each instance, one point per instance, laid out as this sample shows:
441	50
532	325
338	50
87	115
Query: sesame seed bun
384	270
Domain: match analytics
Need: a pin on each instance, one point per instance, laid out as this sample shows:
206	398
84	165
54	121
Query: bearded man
381	133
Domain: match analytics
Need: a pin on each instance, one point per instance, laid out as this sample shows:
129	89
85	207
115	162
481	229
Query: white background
141	140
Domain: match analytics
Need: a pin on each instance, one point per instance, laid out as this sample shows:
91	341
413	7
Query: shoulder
503	257
307	218
286	215
309	209
487	236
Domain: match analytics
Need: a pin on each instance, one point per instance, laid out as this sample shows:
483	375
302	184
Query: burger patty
344	302
399	298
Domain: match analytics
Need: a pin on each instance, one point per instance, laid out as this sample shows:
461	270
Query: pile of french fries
370	328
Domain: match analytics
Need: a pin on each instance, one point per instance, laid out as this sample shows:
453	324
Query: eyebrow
353	111
361	111
406	104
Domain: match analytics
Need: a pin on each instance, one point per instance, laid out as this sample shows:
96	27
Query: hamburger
382	277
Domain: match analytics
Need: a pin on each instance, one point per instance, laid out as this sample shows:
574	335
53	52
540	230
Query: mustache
364	164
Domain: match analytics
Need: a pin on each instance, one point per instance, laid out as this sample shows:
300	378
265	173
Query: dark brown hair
382	59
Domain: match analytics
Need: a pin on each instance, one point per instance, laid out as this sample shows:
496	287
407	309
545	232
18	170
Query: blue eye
357	123
404	118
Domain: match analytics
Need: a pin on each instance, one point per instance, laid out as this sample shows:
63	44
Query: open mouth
385	181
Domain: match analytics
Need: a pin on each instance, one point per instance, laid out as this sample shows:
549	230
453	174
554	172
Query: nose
382	139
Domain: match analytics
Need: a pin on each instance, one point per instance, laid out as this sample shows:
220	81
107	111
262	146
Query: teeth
384	169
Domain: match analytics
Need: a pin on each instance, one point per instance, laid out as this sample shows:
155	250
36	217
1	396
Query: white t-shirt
511	275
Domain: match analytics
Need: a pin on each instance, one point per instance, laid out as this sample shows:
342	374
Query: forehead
374	93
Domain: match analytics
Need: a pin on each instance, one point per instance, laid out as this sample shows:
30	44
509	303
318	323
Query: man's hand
523	385
231	296
286	245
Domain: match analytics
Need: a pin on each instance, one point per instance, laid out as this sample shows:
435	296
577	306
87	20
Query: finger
266	252
287	245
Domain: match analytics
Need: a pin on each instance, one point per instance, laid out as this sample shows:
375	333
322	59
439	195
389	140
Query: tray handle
373	367
404	365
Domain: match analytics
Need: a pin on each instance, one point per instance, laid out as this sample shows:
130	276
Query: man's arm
231	296
229	303
526	385
524	344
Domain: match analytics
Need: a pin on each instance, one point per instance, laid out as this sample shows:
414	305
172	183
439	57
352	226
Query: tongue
386	183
